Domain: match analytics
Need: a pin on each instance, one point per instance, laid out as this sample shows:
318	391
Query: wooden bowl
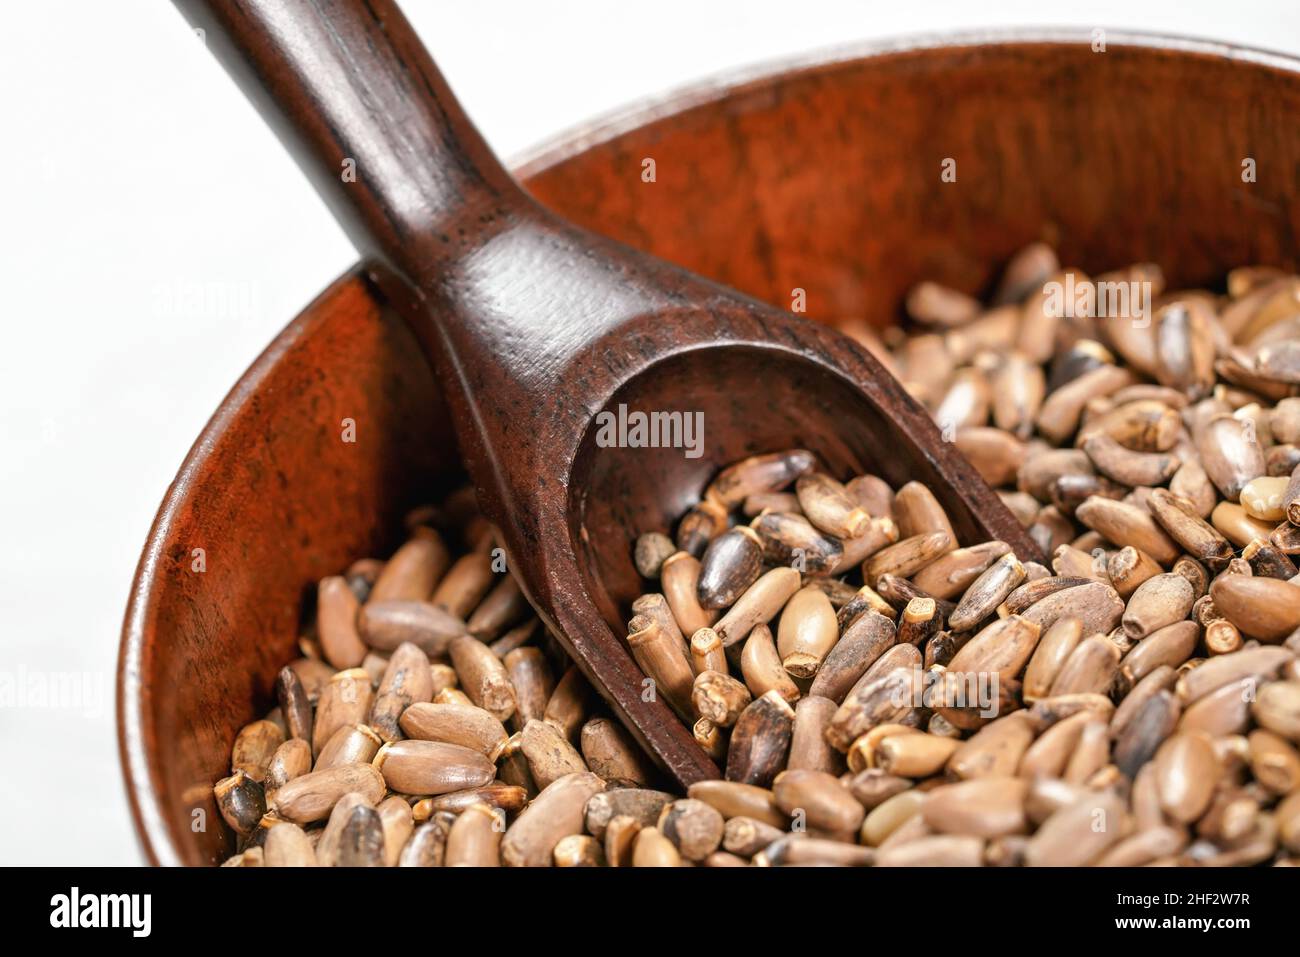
823	176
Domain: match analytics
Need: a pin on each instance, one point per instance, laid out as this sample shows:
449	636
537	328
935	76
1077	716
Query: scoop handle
351	90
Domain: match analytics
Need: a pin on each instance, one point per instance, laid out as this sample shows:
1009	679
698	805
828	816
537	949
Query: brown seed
883	700
1004	647
758	605
610	752
287	845
1059	416
640	804
1184	346
554	814
679	577
475	839
1128	568
651	550
352	744
406	681
760	741
770	502
460	592
620	840
506	797
1186	772
345	701
1223	711
312	796
483	676
984	807
295	704
951	574
1143	426
1126	466
1157	602
788	538
994	750
699	526
890	815
987	592
898	591
1279	361
932	304
579	850
693	827
241	800
652	849
427	845
919	622
746	836
760	473
1277	709
995	454
1263	608
760	665
908	556
809	749
291	760
389	624
707	653
1236	526
1068	492
530	676
254	746
731	563
965	402
1230	454
1050	655
719	697
948	850
1091	668
915	755
1126	524
466	725
1035	590
1268	562
1095	604
362	842
1145	847
1274	761
1146	731
1079	833
818	799
549	753
1222	637
808	630
336	623
863	642
662	658
432	767
504	606
828	506
412	572
1169	646
569	703
1178	517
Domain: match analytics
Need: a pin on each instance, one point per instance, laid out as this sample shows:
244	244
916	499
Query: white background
137	181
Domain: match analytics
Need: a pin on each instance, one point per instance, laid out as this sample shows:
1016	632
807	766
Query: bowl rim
134	725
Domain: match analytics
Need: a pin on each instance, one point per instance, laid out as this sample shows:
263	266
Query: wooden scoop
535	327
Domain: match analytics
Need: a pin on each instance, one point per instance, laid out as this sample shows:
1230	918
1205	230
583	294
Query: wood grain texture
824	178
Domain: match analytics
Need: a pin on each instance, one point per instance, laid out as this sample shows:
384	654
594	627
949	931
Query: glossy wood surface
825	178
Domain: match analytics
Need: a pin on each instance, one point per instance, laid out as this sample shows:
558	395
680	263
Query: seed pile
876	692
430	722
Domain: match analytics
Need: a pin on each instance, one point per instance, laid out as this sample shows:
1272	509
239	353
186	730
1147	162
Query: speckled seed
652	549
760	741
610	752
312	796
483	676
759	473
731	563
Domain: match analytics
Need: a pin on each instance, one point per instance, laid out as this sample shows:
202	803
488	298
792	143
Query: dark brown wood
533	325
823	177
